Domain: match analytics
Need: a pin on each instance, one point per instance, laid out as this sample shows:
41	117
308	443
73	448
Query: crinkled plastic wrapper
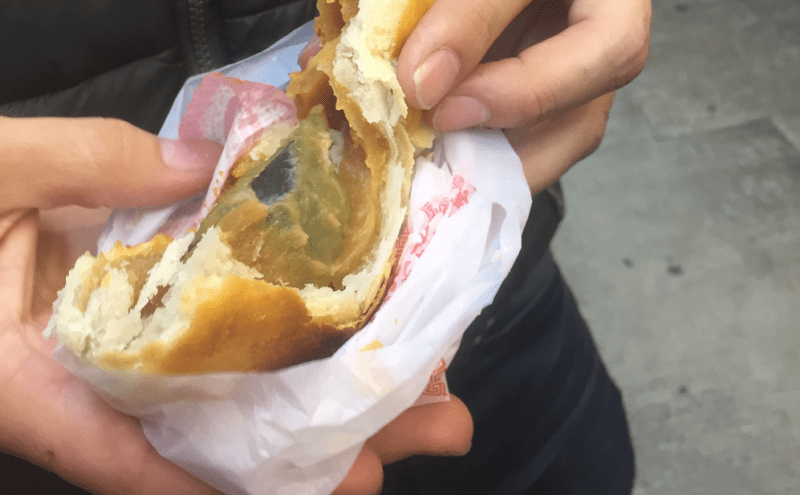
299	430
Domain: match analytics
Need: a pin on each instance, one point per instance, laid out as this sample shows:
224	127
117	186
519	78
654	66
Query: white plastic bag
298	430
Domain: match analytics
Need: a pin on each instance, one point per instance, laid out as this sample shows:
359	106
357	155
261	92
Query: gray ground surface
682	244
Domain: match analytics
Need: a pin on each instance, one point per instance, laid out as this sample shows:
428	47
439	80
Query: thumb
94	162
444	48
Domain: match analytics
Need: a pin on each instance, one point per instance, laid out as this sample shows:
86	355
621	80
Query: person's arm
520	64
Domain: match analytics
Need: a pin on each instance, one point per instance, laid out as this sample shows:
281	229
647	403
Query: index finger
92	162
447	43
603	48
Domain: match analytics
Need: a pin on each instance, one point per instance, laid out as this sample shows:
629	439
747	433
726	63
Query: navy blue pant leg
548	418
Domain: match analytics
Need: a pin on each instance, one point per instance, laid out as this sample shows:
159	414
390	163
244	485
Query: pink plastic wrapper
236	114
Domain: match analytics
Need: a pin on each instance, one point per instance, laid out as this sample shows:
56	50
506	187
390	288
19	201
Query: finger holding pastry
539	70
514	63
97	162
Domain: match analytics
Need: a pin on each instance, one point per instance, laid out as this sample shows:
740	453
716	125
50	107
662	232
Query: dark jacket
126	59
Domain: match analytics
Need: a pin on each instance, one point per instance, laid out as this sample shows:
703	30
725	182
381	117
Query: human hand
47	416
542	70
441	429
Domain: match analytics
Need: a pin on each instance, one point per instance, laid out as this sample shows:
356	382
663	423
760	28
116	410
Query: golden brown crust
247	325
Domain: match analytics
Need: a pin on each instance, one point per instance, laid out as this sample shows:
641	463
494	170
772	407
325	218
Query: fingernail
190	155
458	112
435	76
455	453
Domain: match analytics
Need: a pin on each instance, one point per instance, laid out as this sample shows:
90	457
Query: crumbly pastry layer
298	251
